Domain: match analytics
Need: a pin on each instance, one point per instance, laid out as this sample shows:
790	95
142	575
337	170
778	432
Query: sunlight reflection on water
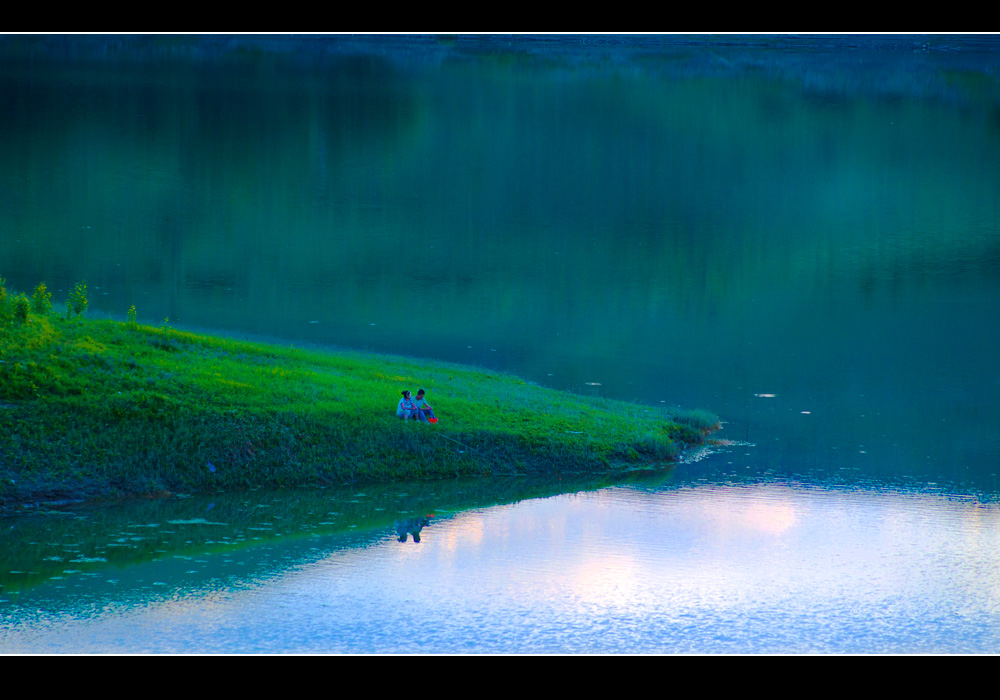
718	569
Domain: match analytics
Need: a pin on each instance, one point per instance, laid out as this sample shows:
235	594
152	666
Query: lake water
800	234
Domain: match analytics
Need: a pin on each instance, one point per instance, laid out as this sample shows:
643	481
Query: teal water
800	234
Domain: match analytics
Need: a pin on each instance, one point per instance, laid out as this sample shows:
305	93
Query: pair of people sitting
417	408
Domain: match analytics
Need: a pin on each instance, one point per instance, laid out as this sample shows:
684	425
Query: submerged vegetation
96	408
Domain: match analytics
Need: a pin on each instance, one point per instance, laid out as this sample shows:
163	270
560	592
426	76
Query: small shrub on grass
77	301
21	307
41	300
5	301
654	446
132	319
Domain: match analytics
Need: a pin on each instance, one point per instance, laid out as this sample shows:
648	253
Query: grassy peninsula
108	408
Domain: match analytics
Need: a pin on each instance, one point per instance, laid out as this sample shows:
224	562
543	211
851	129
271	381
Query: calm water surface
694	567
802	235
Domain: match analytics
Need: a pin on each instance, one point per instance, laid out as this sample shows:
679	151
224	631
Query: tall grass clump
698	420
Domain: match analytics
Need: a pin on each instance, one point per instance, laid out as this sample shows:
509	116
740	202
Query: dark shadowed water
800	234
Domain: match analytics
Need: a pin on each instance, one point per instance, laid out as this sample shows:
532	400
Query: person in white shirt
426	412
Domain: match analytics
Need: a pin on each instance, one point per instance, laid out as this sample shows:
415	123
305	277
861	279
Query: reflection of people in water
412	526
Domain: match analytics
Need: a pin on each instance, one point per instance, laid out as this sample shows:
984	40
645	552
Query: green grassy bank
99	408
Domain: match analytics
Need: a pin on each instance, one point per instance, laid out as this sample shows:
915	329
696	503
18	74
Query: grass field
108	408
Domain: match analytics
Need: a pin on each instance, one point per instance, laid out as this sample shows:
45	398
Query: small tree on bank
41	300
77	301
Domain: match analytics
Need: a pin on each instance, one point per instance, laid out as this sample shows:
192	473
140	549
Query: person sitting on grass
406	408
426	412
